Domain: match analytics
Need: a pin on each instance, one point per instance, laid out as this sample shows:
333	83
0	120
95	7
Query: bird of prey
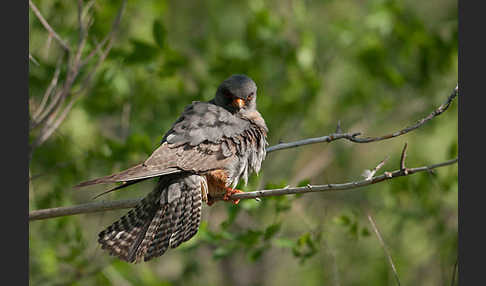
210	147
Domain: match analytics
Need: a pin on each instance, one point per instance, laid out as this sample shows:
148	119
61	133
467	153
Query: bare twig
50	128
48	27
353	137
337	187
32	59
102	206
402	159
49	110
338	127
110	38
81	209
48	91
385	248
368	174
454	271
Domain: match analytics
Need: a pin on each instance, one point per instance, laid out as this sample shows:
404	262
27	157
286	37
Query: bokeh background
377	66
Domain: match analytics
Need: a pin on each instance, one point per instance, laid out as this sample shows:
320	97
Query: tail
166	217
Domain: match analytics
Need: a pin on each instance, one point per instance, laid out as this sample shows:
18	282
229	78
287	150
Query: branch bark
123	204
48	27
385	248
353	137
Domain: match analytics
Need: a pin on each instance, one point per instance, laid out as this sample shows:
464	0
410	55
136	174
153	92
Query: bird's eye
250	96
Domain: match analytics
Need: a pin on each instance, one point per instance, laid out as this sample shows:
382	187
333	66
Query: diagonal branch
368	174
113	205
402	159
110	38
48	91
32	59
383	245
48	27
353	137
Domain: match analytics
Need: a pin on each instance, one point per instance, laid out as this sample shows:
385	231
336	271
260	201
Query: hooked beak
238	103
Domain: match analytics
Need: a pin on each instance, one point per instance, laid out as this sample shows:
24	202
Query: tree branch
353	137
383	245
113	205
48	27
48	92
32	59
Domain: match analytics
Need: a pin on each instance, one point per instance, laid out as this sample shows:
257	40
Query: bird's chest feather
244	154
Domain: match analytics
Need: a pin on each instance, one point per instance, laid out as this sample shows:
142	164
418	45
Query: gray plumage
226	134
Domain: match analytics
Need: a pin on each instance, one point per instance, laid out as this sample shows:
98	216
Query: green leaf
303	183
160	33
271	230
249	238
256	254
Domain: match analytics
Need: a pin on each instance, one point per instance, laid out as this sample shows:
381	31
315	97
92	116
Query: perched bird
201	158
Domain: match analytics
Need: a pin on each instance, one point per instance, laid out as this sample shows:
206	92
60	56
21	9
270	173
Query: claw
229	192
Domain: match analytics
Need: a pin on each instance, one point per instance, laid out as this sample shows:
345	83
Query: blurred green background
377	66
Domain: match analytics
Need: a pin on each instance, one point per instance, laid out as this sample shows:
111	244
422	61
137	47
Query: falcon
202	157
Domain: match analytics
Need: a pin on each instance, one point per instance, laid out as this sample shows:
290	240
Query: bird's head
237	93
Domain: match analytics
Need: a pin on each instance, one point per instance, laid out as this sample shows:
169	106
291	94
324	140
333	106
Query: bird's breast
249	153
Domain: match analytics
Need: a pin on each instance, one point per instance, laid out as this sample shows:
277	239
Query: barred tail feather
168	216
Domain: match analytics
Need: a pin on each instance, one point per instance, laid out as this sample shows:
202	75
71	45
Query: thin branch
338	187
48	91
48	27
338	127
82	209
103	206
453	281
385	248
328	138
32	59
110	38
353	137
50	128
403	157
49	110
368	174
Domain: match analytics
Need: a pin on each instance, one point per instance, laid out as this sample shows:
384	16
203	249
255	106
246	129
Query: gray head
237	93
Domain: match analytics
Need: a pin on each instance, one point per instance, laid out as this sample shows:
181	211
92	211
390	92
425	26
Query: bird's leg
217	184
229	192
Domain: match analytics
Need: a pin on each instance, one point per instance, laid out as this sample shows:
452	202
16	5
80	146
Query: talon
229	192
